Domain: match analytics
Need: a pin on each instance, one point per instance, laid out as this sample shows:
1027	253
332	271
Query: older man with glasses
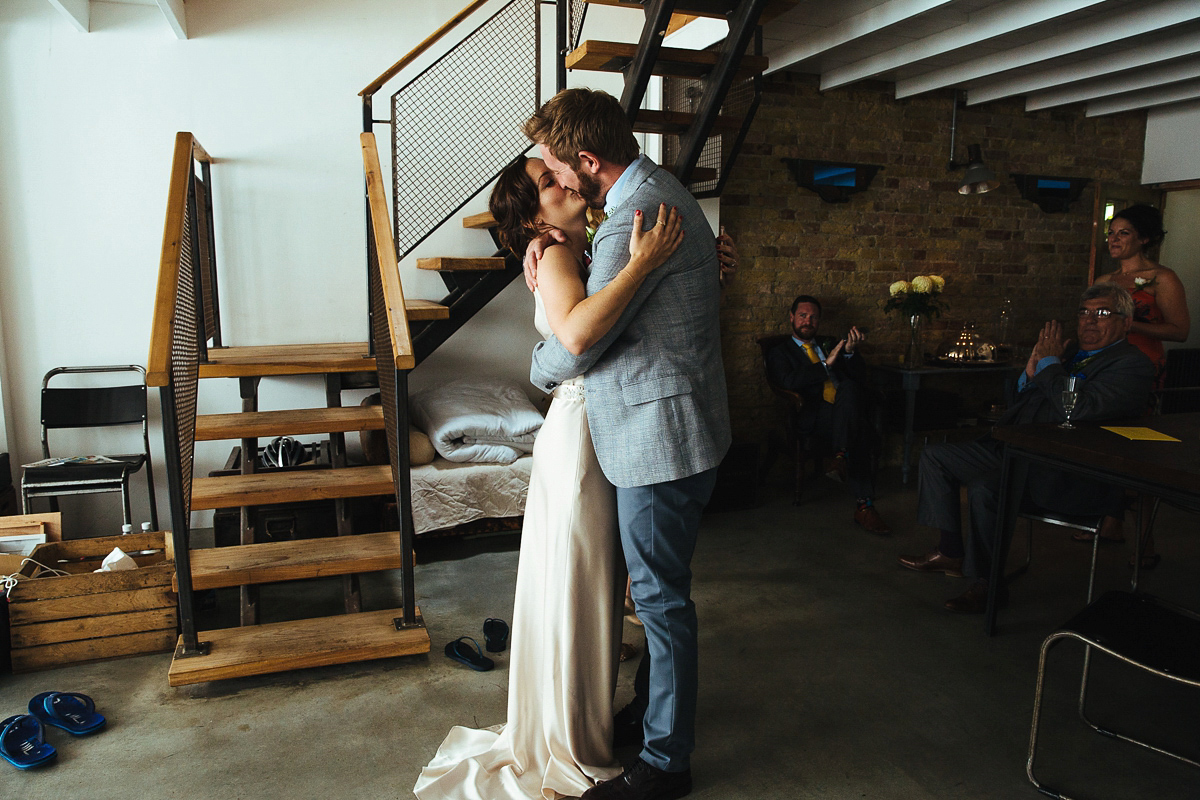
1113	379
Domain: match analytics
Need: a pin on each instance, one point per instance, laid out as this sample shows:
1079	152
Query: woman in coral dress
570	592
1160	304
1160	312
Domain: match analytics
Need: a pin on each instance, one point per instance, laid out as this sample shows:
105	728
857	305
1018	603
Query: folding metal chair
1162	639
91	407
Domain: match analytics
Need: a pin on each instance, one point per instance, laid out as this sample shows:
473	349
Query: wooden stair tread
423	310
286	359
281	646
483	221
470	264
679	122
271	562
231	491
672	61
253	424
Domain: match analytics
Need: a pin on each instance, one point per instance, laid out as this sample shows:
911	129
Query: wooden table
1170	470
909	379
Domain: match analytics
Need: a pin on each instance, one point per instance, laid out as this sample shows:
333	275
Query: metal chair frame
1176	665
1074	522
111	406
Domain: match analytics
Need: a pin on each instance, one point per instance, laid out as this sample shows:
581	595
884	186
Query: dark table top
942	369
1174	465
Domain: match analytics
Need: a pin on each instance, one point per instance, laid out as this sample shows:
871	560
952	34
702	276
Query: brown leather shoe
838	469
933	561
869	520
972	601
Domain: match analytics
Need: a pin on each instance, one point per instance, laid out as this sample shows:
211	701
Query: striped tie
829	392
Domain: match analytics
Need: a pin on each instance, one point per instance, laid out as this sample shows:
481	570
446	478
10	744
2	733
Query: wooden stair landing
281	646
255	424
233	491
271	562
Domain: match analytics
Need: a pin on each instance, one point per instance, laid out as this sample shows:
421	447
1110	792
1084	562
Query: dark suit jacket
789	367
1115	384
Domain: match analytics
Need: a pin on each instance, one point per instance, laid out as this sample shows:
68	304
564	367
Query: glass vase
914	355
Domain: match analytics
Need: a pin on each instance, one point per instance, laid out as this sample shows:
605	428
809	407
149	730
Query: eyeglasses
1098	313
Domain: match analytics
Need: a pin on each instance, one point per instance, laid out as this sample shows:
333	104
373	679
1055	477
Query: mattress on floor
445	493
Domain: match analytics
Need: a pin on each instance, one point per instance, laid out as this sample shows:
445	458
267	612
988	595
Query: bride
570	579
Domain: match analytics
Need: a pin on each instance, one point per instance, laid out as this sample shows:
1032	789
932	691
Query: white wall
87	124
1181	252
1171	151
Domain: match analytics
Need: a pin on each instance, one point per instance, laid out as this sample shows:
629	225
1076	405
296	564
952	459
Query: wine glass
1069	397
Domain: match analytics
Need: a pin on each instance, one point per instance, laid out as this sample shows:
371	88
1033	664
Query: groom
657	411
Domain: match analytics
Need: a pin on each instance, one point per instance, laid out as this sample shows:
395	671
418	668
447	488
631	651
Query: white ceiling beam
176	17
1174	72
1099	32
1176	93
872	20
993	21
77	12
1053	76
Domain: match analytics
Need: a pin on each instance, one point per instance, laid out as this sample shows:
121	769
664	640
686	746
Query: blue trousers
659	525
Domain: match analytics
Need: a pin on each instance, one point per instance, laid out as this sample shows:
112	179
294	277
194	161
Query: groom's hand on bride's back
534	251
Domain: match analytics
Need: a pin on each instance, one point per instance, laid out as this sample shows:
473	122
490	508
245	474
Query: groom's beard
590	190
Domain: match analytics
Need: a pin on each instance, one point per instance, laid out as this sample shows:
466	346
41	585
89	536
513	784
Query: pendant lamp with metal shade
978	178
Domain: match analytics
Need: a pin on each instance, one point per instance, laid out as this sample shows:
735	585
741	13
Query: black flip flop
463	653
495	634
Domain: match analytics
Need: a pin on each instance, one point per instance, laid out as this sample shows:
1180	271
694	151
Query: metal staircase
449	138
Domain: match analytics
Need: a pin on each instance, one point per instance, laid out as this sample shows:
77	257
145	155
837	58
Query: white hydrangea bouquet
917	297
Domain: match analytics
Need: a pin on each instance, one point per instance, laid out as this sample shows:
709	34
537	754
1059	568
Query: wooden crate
88	616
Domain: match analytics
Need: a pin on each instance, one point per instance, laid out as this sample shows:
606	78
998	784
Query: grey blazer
655	383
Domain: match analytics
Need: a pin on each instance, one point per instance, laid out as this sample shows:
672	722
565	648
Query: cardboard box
88	616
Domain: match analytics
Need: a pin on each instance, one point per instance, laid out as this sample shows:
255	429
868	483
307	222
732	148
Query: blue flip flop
495	634
73	712
23	742
463	653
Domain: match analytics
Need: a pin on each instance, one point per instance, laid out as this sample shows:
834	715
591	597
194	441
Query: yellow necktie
829	392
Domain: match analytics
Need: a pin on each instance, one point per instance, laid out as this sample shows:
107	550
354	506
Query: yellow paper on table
1139	434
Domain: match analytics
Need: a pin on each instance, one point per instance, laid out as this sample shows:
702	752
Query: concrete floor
826	672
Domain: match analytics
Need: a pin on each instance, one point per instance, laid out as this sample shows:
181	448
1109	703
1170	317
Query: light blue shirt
617	192
1048	360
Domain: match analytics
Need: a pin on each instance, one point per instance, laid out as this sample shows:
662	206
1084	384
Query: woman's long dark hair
514	204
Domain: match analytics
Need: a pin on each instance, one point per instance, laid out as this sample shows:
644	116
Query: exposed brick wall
911	221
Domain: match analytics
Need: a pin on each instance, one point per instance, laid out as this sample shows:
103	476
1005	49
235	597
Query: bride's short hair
514	205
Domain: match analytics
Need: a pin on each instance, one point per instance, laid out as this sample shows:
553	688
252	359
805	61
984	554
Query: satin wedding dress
566	632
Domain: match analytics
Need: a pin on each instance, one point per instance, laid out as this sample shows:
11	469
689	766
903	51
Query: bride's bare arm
578	321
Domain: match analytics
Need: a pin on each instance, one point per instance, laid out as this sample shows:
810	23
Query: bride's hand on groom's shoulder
534	251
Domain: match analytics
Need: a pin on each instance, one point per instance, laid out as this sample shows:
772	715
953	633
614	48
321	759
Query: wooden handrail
385	256
429	42
187	149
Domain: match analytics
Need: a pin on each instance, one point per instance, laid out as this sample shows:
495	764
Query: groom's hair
583	119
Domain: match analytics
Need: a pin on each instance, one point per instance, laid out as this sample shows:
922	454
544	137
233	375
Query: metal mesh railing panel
683	94
385	360
204	260
457	124
391	396
576	11
185	358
